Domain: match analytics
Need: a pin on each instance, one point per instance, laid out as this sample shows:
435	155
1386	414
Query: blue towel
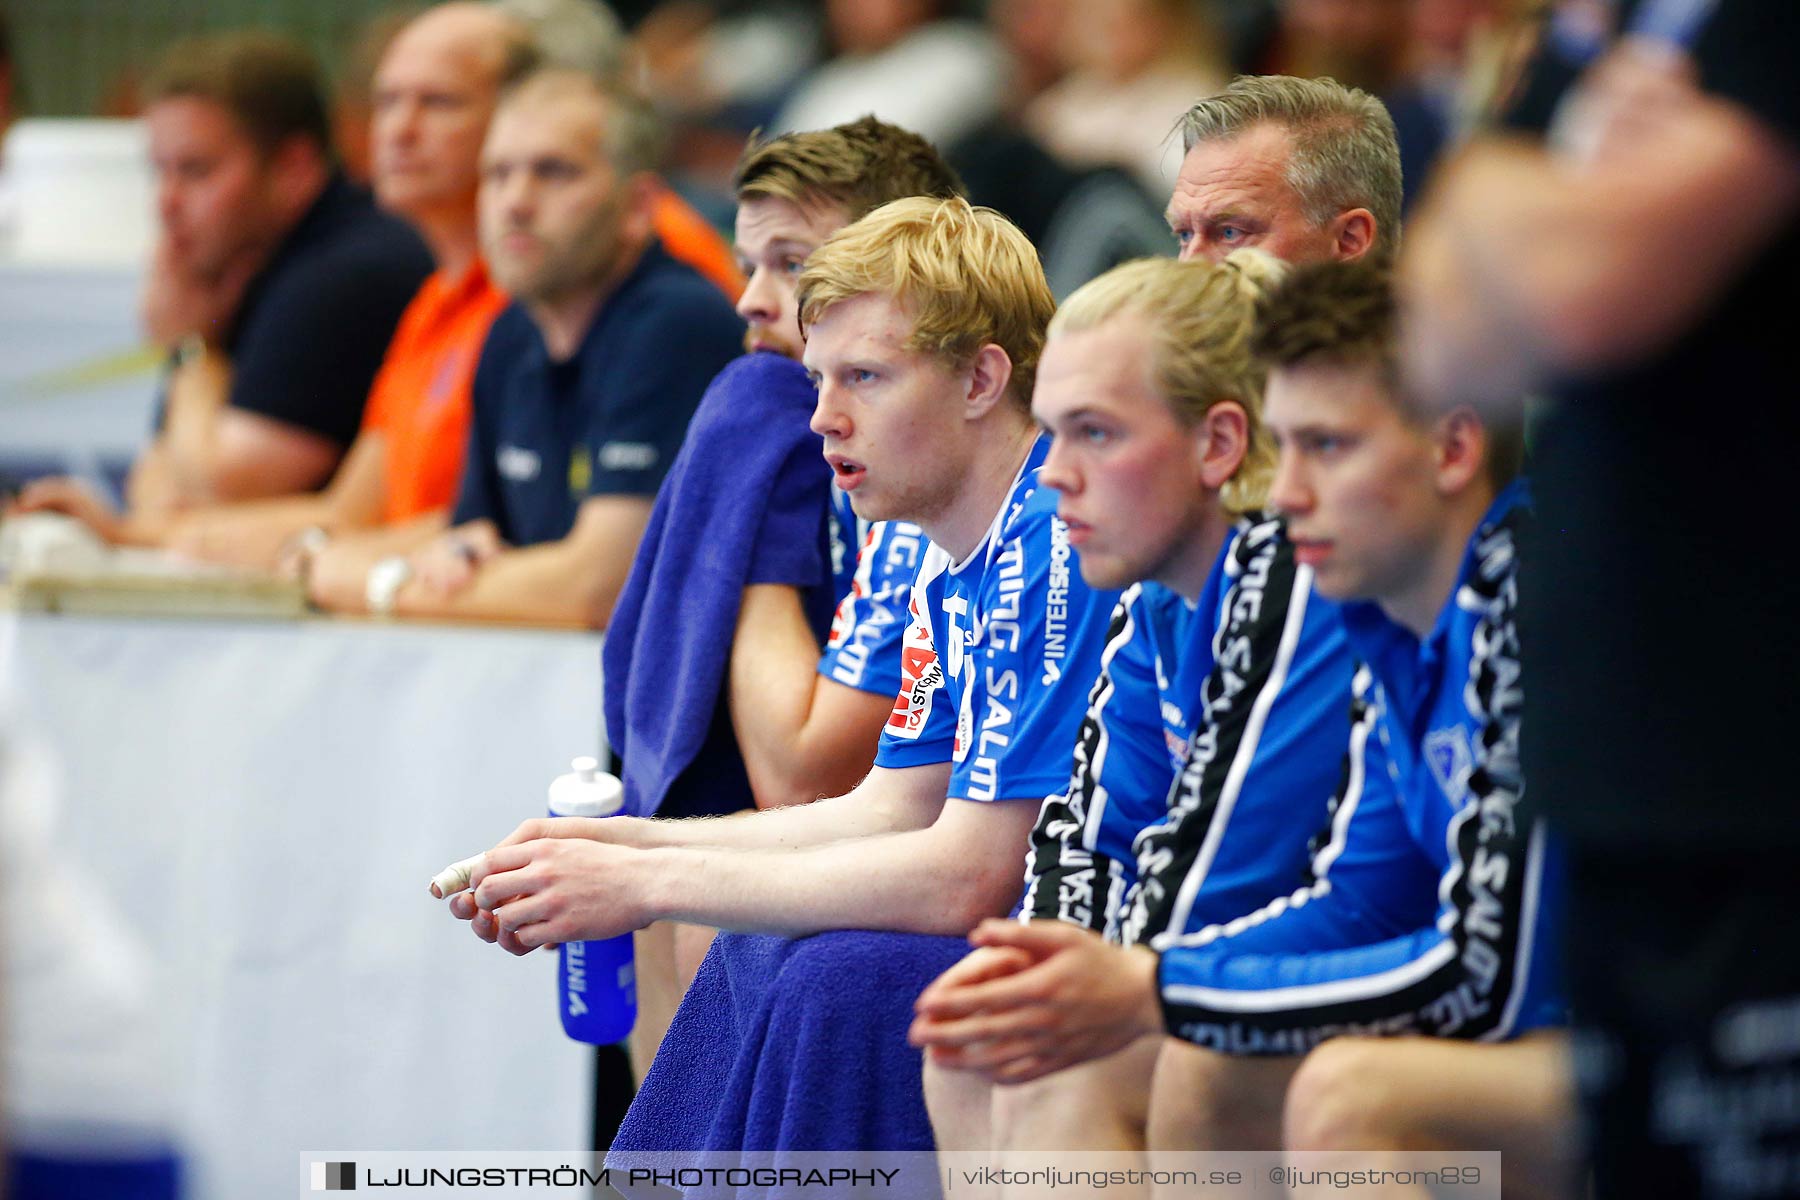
745	502
791	1046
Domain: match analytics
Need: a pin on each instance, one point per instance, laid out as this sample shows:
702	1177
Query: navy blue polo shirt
313	327
546	435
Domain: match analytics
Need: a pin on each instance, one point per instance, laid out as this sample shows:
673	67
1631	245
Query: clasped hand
551	882
1034	998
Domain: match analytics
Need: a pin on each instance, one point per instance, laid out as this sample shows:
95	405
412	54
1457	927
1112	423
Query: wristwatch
311	540
190	349
385	579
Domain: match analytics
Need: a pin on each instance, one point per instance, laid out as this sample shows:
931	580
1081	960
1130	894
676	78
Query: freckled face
892	418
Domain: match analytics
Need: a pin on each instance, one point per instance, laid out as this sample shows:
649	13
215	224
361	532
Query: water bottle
596	984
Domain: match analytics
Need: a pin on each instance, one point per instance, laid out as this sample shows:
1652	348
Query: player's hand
599	829
180	300
1076	999
449	563
74	499
978	966
556	890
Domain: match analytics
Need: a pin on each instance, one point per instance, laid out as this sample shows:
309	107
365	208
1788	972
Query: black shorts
1684	975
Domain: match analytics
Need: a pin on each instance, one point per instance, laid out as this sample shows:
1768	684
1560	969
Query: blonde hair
965	275
1345	153
1200	318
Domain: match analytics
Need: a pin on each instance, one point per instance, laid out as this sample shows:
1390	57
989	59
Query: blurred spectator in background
906	62
718	70
587	381
1360	43
433	94
275	286
353	91
1035	36
1131	60
1460	55
1083	216
584	35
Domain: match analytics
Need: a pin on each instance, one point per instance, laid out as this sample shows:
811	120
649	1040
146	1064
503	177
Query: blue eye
793	266
1230	234
860	375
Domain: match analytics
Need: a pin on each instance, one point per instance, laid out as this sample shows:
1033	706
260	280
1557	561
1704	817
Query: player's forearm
860	813
773	665
196	391
150	495
1462	276
544	585
796	745
907	882
1550	267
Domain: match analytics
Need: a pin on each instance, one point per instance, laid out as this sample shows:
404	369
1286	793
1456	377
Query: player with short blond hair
925	422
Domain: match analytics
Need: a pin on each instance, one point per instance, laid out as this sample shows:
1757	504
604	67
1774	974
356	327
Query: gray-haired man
1306	169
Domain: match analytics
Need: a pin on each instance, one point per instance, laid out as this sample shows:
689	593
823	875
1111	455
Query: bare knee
1203	1100
959	1104
1340	1099
1075	1109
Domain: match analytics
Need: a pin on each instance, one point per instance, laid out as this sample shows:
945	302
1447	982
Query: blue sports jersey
998	653
872	565
1430	814
1209	752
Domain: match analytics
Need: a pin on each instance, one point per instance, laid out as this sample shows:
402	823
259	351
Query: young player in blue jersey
925	321
808	725
773	722
1288	1008
1161	463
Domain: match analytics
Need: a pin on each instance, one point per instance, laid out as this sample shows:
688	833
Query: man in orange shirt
435	91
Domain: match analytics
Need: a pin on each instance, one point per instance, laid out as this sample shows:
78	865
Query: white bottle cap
586	791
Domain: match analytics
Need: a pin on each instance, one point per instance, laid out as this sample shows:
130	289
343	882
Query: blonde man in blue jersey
924	325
